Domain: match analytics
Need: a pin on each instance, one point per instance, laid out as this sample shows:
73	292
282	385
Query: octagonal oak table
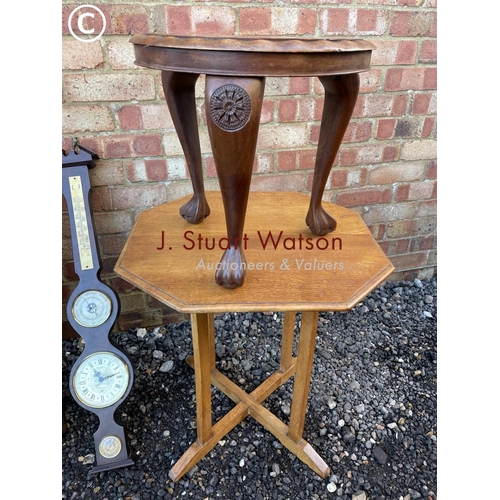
289	270
235	69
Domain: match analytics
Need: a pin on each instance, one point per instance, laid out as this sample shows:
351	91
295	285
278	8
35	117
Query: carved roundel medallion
230	107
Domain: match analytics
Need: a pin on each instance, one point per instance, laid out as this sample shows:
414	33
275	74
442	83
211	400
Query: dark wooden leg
233	107
341	92
179	92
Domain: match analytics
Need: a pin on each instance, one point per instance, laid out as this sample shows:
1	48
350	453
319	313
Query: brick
358	132
409	260
147	145
365	196
390	153
288	182
276	86
414	227
335	21
130	117
133	302
339	178
129	19
396	247
421	190
361	155
213	20
109	87
384	105
420	104
431	170
385	53
136	171
210	167
121	286
389	212
410	79
400	172
255	20
300	85
356	176
414	24
287	110
86	119
428	127
156	170
107	172
177	168
430	78
371	21
137	196
427	208
418	150
284	21
80	55
408	127
124	146
428	52
120	54
95	22
385	128
370	81
287	160
306	22
112	222
282	136
263	163
407	52
156	116
267	111
402	192
307	159
112	245
178	20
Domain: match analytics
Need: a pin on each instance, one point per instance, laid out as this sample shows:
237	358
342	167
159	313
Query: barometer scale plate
102	376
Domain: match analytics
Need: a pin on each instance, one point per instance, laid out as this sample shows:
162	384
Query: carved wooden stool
235	70
319	274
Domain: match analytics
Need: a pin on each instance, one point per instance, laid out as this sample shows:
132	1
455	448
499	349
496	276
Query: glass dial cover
101	379
91	308
110	446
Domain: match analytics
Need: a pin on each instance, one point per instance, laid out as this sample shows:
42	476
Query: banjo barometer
102	376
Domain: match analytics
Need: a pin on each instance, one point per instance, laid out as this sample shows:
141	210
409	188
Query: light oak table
288	270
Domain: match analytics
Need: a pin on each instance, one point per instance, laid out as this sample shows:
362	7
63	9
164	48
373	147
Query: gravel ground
371	413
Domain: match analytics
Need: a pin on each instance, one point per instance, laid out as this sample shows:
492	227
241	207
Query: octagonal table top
288	268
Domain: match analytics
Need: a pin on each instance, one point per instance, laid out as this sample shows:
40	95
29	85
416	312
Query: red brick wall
386	167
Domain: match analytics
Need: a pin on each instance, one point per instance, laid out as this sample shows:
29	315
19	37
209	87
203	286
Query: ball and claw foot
320	222
231	269
195	210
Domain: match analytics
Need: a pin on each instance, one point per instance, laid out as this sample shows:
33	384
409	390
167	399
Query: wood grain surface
319	276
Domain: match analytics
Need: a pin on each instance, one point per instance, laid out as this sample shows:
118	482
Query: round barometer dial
101	380
110	446
91	308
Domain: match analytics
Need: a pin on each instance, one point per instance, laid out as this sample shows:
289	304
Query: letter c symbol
80	23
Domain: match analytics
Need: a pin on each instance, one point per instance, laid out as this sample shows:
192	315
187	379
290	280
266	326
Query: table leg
204	357
305	356
179	89
233	113
286	359
341	92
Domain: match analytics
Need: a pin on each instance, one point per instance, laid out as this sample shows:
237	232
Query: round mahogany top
252	56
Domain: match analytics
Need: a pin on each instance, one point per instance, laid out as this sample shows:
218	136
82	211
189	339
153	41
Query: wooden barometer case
102	376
